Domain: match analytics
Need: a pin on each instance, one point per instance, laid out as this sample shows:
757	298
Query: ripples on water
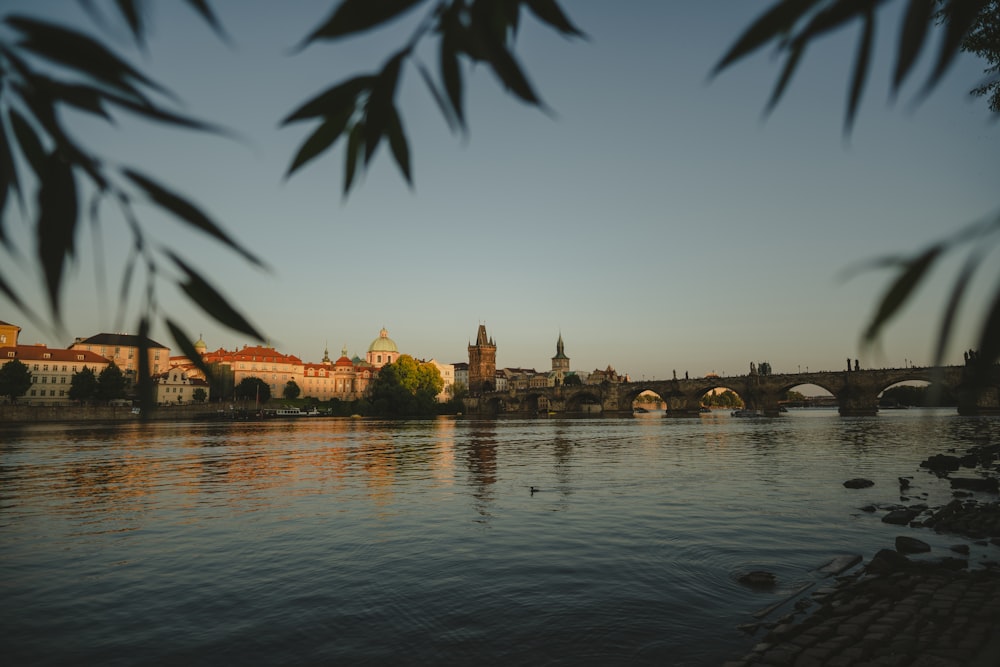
357	542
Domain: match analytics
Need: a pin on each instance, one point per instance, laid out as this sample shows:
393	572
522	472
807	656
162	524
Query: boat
289	412
640	410
743	412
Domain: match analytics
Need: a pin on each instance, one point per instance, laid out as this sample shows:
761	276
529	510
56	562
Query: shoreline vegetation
900	608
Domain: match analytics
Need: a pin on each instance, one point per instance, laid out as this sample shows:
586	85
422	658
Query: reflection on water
348	541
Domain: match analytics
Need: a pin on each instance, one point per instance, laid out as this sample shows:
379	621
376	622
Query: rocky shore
901	608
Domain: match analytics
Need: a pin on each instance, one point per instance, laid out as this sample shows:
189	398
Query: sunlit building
382	351
51	369
124	350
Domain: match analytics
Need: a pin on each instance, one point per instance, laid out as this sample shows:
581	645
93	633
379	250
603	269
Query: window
64	368
62	380
47	355
79	357
44	379
45	367
3	338
35	367
32	391
10	354
74	368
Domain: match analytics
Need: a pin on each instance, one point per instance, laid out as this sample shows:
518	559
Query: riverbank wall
42	414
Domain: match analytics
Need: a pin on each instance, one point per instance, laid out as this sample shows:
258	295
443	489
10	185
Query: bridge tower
482	363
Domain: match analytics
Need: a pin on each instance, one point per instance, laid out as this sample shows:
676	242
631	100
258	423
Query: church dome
383	343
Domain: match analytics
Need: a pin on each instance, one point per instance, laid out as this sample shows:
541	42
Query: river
364	542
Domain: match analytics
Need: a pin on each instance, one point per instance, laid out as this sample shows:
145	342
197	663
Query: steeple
560	362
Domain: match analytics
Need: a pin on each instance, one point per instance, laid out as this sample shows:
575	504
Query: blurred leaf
443	107
355	142
451	74
56	225
132	13
8	180
774	24
203	8
379	106
954	300
183	341
961	16
550	12
156	113
321	139
30	145
332	101
835	16
352	16
919	14
509	72
860	70
989	339
901	289
82	97
187	212
146	397
397	142
211	301
82	54
786	75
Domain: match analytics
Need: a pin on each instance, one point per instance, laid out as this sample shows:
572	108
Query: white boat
289	412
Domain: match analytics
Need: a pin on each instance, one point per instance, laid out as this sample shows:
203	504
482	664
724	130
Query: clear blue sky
655	218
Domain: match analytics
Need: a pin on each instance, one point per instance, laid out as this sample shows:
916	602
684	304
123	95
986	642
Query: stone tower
482	363
560	362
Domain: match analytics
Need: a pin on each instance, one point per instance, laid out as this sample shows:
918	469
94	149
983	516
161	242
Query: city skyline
653	219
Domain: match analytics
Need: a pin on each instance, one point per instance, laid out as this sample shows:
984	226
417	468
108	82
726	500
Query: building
447	372
274	368
461	373
382	351
52	369
8	334
124	350
560	365
482	363
177	386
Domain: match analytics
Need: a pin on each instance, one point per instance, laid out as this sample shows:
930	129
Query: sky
652	215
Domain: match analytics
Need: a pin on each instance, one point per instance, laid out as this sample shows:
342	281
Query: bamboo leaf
56	225
786	75
320	140
355	143
31	146
861	65
8	179
961	16
132	13
918	16
398	144
332	101
451	75
354	16
989	339
211	301
187	212
80	53
550	12
954	300
183	341
772	25
446	111
900	291
379	106
146	399
156	113
203	8
509	72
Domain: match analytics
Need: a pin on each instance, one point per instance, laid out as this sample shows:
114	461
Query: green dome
383	343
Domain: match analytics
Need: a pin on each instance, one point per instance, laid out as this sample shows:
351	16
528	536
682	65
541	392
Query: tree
199	395
15	380
253	389
573	380
45	68
83	385
406	388
291	391
983	40
111	383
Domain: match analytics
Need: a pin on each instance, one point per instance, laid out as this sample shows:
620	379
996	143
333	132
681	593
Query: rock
858	483
900	517
987	484
904	483
868	508
888	561
911	545
758	579
969	461
941	463
960	549
839	564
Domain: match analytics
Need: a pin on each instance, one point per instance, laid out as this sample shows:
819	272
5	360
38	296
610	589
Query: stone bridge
977	391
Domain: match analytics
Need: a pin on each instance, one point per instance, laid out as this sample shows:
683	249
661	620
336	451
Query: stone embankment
42	414
897	611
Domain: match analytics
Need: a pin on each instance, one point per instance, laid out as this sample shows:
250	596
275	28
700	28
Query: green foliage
795	396
725	399
15	380
291	390
199	395
405	388
573	380
83	385
111	383
932	396
253	389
